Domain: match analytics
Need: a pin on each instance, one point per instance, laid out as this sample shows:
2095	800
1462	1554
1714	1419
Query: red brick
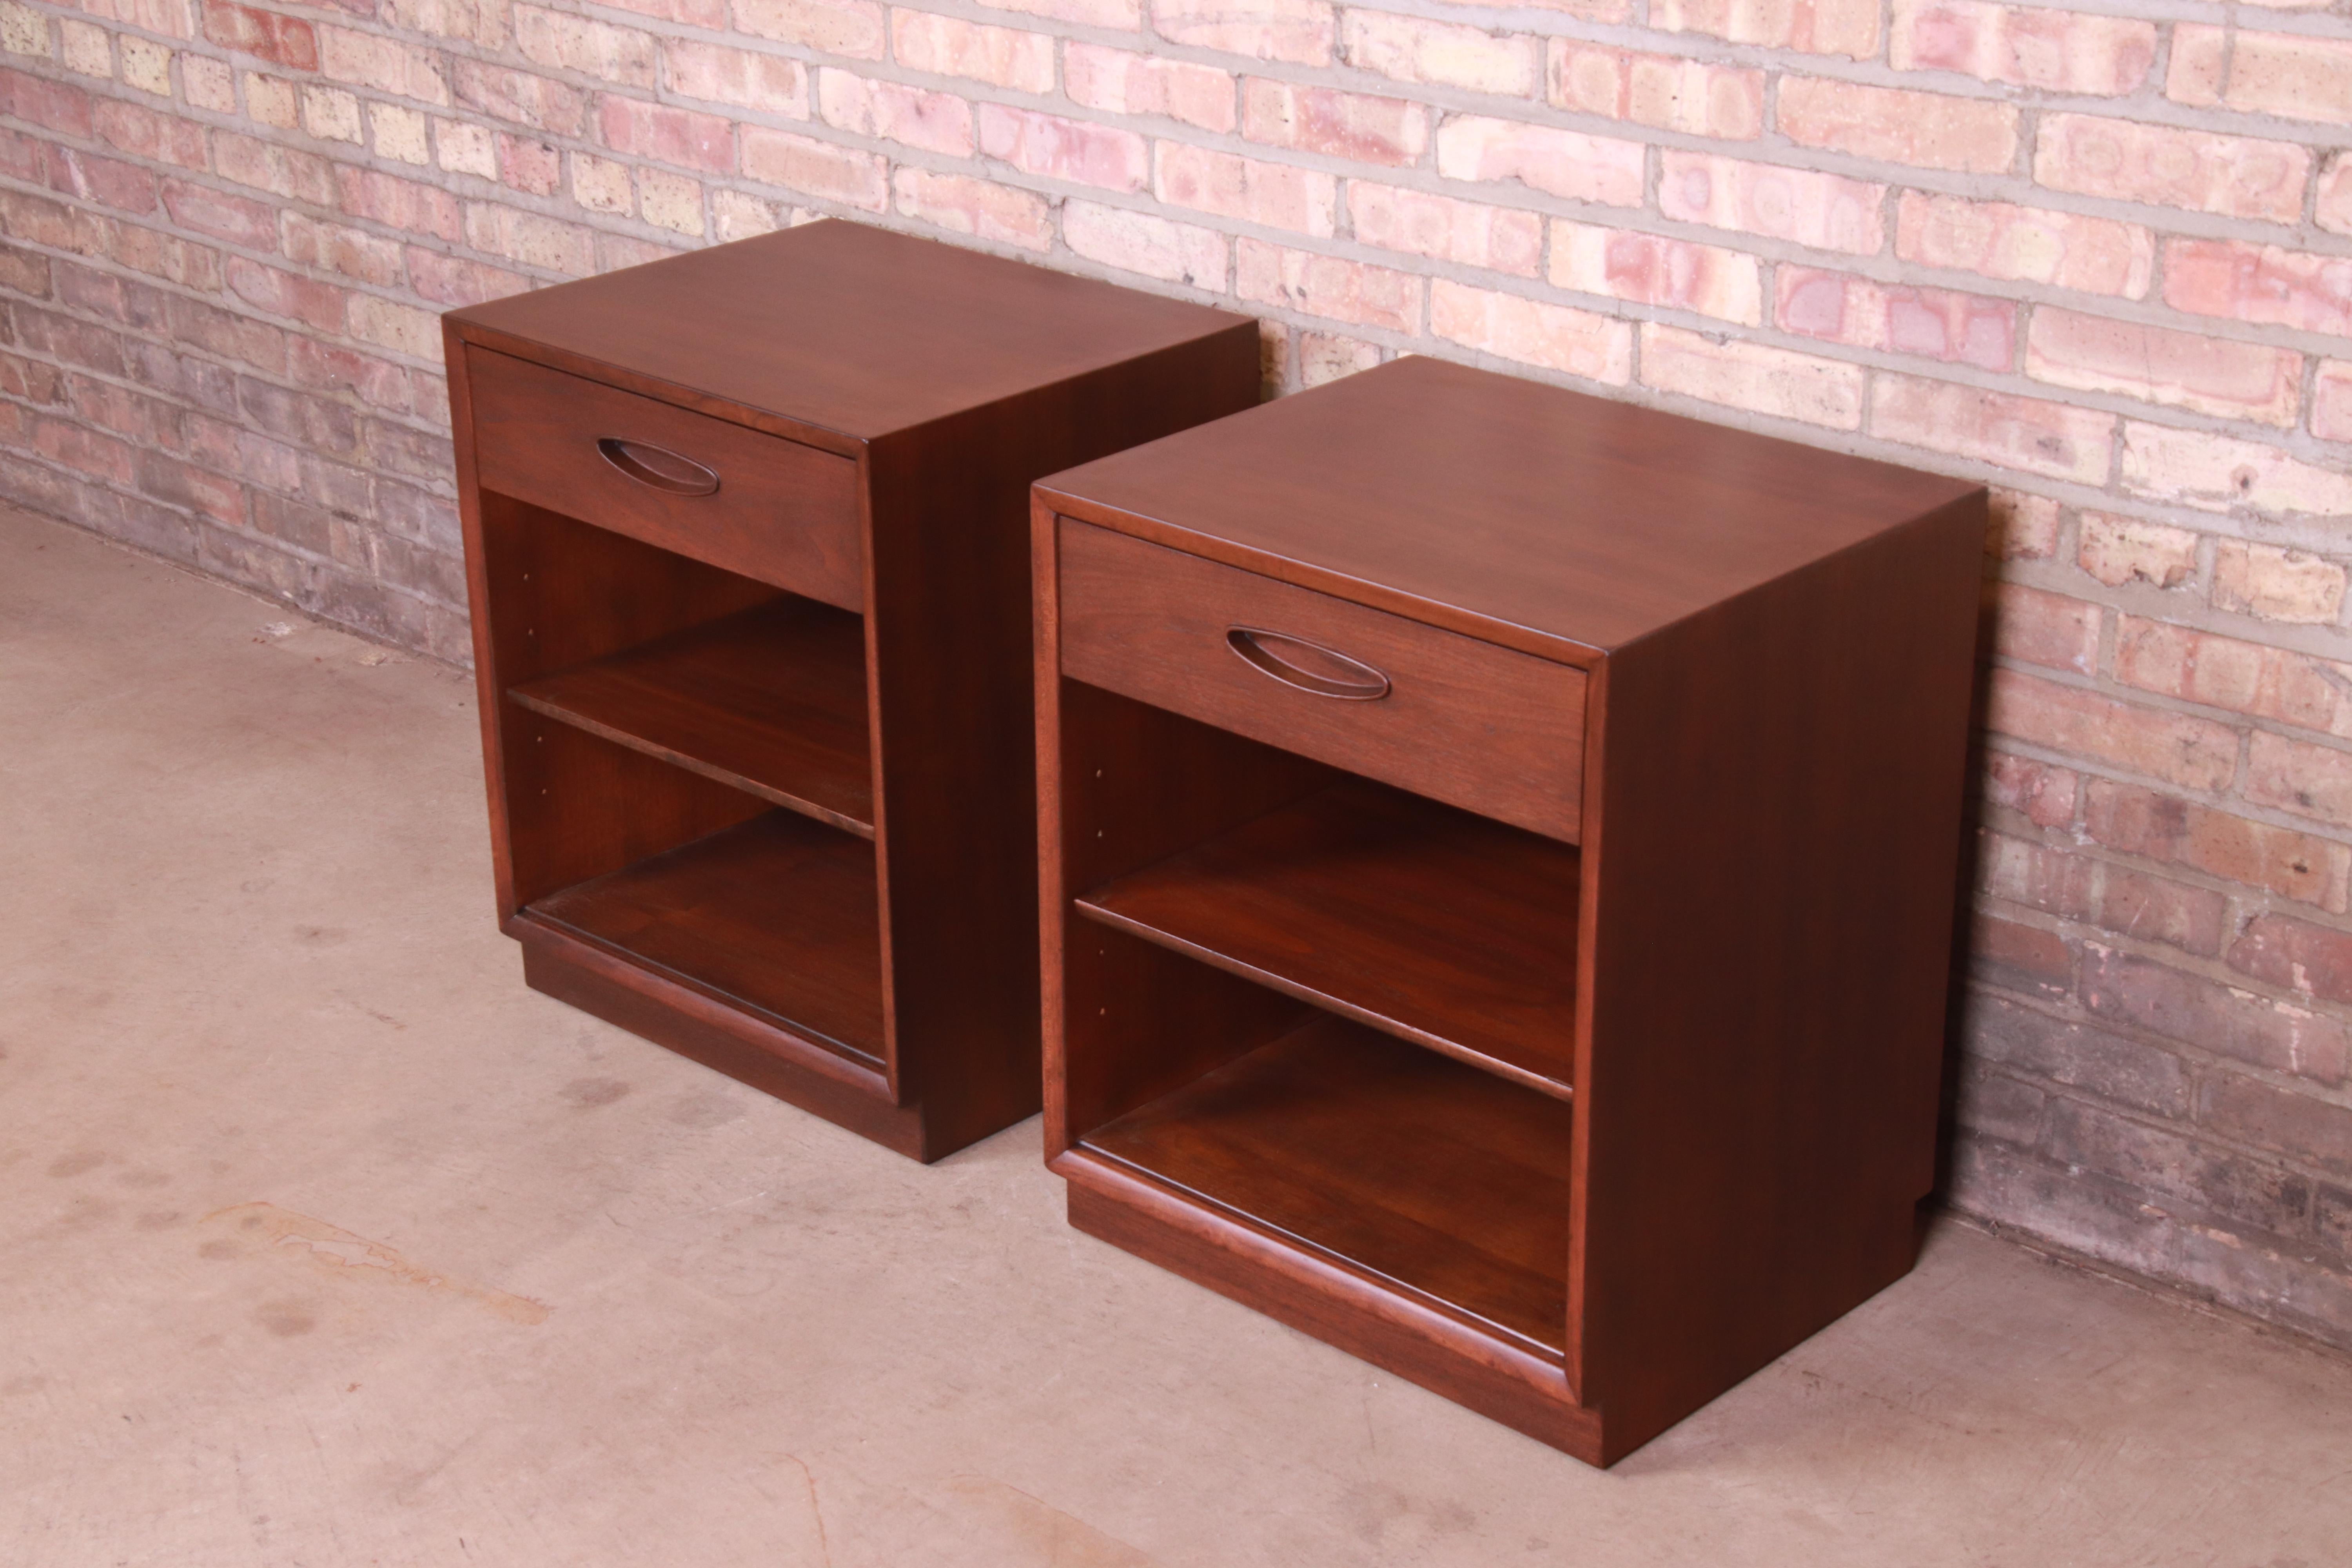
2020	527
560	40
455	280
1650	270
2043	792
2221	473
772	84
144	133
977	208
2333	209
1828	212
1298	31
109	182
2195	753
2029	245
2050	438
2281	1118
2299	866
330	368
1575	342
2294	76
2041	627
857	28
519	98
934	122
82	449
679	137
224	217
268	166
1815	26
2179	370
397	204
338	247
52	105
1326	286
1442	54
530	237
2312	960
1930	130
1078	151
1665	91
1754	377
2277	584
1128	83
946	45
2057	51
1502	239
710	14
2298	777
1558	162
820	169
2231	175
1351	125
1142	242
2120	549
1938	323
528	165
287	41
2021	957
2217	1018
2260	283
2331	400
318	306
1279	195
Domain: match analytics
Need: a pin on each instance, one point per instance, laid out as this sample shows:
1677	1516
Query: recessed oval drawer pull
1309	666
661	469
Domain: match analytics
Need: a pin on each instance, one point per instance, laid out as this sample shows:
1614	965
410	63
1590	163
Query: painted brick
564	42
2293	865
2293	75
1141	243
1930	130
2260	283
2026	433
1351	125
934	122
2042	628
977	207
2120	549
1651	269
2195	753
1753	376
2057	51
1442	54
1814	27
2299	778
2024	244
1001	56
2157	364
1275	195
859	30
1326	286
772	84
2234	176
1125	83
823	170
1665	91
1298	31
1828	212
1552	336
287	41
1501	239
2277	584
1965	329
2222	473
2219	1018
1558	162
1077	150
2042	792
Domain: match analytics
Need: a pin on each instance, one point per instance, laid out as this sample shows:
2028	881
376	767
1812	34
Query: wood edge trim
710	1013
491	340
1321	580
477	593
1052	894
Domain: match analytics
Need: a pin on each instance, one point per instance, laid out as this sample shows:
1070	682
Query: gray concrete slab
327	1243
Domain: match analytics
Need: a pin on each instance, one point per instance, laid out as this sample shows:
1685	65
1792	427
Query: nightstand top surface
1428	483
840	326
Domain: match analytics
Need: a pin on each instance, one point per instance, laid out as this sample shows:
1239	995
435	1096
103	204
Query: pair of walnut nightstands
1496	846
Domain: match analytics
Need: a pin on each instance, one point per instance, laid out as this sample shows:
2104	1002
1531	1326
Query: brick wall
2100	257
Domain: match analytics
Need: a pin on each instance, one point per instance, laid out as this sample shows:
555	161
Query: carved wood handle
1309	666
663	469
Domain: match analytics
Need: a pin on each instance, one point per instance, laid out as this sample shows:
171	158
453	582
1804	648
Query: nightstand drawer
1489	729
749	502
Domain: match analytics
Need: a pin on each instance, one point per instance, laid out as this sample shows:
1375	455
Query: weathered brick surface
2099	259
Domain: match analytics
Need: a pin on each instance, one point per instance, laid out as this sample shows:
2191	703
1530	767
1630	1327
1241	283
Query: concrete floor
327	1243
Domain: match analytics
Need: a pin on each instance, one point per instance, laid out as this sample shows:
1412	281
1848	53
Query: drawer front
751	503
1494	731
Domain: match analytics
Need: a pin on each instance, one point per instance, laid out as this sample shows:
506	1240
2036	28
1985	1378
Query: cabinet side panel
952	678
1779	831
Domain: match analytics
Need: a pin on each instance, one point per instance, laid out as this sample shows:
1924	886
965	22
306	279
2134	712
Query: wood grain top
1505	507
840	327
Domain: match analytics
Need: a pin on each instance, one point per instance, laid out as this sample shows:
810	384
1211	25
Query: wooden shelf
777	916
1437	926
771	701
1425	1172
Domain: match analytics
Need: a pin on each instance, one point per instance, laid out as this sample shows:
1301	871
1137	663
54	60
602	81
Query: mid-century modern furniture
746	536
1498	850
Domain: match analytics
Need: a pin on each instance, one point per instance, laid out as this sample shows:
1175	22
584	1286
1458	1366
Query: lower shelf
777	915
1429	1174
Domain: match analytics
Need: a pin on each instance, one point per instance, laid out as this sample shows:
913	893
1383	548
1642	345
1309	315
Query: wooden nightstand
745	539
1499	856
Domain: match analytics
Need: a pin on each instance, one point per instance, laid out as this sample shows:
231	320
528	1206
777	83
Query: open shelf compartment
1427	1173
771	701
777	915
1433	924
